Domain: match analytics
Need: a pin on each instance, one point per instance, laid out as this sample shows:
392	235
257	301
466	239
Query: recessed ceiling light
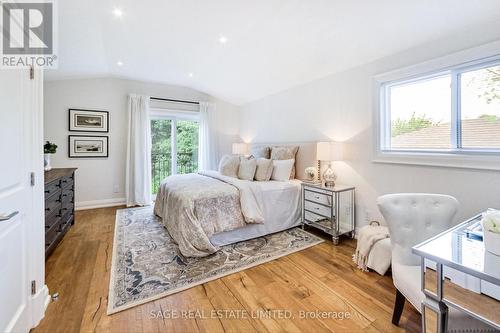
223	39
190	74
117	12
119	63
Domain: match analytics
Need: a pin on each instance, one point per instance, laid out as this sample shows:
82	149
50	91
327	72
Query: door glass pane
480	108
161	151
420	114
187	146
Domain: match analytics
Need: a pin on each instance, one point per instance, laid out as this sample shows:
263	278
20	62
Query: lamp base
329	176
329	183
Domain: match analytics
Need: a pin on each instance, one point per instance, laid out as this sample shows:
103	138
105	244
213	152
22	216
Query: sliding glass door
174	147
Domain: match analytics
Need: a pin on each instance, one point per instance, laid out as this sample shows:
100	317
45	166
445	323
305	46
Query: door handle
8	217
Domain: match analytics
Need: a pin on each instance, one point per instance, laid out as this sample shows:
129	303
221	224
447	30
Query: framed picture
80	146
88	121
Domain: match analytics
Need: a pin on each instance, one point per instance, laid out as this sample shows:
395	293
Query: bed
207	210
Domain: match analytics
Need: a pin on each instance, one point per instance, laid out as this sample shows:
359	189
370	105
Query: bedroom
221	118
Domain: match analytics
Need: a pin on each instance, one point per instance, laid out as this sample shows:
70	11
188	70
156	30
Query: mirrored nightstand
330	209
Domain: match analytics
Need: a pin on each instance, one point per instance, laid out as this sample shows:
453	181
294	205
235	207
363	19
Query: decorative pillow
285	153
229	165
264	169
282	169
260	152
247	168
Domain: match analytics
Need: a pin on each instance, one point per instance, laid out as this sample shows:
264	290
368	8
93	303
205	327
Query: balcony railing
161	166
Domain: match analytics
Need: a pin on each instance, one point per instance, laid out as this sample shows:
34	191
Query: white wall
102	181
340	107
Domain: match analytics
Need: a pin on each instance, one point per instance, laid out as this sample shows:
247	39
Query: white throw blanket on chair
367	238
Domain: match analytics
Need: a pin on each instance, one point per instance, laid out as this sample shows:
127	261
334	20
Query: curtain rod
174	100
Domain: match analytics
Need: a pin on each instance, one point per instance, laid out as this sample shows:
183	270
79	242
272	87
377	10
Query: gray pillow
285	153
260	152
264	169
229	165
247	168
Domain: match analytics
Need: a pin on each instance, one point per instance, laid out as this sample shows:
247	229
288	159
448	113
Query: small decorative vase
491	241
46	162
310	173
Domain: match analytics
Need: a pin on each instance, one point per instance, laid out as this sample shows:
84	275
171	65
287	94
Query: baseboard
82	205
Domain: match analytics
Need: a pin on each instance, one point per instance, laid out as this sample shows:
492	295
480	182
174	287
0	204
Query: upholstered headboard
306	155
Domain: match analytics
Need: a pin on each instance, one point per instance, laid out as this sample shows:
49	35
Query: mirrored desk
458	272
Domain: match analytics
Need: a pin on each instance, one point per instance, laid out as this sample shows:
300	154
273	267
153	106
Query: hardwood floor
321	280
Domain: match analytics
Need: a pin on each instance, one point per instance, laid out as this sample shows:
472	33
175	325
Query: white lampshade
240	148
329	151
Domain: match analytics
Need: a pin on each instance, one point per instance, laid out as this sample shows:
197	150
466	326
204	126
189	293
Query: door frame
36	237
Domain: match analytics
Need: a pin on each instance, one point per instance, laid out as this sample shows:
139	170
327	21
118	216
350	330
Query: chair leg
398	307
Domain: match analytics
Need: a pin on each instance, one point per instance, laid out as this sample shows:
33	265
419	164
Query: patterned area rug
147	264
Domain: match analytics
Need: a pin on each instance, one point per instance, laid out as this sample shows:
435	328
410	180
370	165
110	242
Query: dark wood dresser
59	206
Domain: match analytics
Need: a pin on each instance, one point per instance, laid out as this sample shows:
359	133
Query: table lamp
240	148
330	152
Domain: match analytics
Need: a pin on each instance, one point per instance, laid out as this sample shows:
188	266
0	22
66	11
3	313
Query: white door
16	199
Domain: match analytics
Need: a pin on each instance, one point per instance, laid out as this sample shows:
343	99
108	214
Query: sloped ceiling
271	45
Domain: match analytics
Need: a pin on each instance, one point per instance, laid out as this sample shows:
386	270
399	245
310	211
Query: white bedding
281	211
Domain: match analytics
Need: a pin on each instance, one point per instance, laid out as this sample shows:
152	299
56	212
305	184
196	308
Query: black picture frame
73	122
72	154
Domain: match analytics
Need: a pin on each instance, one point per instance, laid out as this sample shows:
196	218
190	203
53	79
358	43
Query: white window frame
454	65
174	116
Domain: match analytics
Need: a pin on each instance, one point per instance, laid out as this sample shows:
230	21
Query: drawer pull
47	191
47	209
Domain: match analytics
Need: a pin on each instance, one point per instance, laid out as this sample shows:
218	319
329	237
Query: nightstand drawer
311	217
322	198
318	209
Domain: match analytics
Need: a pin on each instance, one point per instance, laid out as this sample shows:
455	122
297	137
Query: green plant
49	148
488	117
415	123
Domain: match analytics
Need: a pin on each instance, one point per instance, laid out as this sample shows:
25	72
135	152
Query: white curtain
138	173
207	142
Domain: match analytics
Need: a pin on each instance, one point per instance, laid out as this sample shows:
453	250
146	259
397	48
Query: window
454	111
174	146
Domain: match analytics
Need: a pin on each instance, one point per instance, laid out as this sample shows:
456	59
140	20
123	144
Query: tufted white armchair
413	218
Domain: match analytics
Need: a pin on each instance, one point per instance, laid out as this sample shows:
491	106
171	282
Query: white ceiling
272	44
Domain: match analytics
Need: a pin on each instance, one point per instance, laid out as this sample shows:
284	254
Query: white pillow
229	165
282	169
247	168
264	169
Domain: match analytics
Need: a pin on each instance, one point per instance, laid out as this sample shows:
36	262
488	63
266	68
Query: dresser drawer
317	209
52	205
322	198
52	188
67	195
67	182
66	221
52	233
52	219
67	209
